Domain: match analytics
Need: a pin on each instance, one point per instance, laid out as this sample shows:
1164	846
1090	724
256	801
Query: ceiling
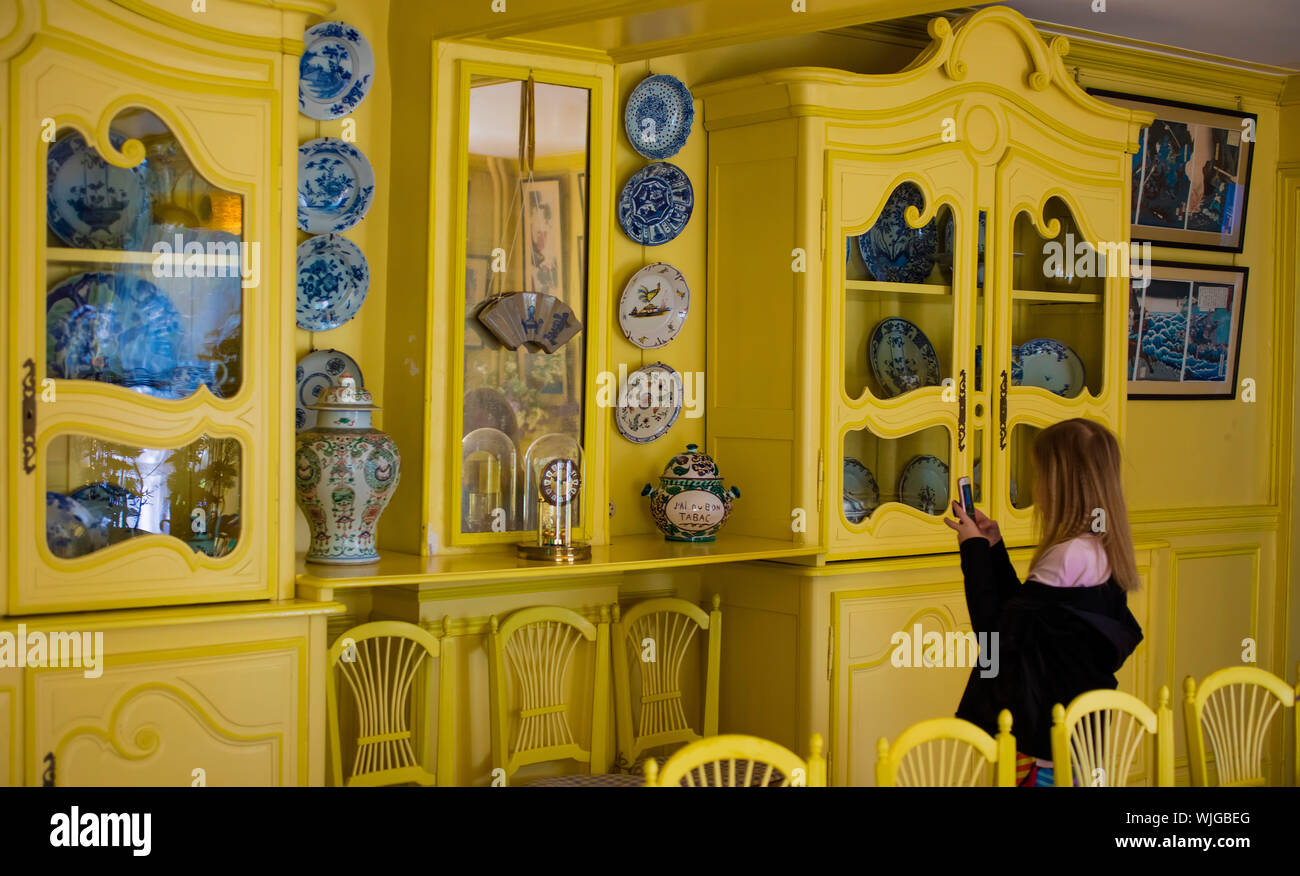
1256	31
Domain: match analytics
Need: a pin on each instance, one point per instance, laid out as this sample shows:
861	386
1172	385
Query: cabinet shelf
1056	297
865	286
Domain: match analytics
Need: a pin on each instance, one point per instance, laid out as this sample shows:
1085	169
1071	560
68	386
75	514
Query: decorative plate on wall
656	204
652	404
1049	364
654	305
902	357
336	185
861	493
91	204
318	370
894	251
924	484
335	71
659	116
333	278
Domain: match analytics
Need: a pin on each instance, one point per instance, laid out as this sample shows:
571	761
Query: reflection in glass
100	493
530	204
1021	487
544	451
488	466
912	470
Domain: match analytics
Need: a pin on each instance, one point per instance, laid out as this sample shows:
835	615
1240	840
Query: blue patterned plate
902	357
335	71
656	204
894	251
333	278
1048	364
336	185
91	204
861	493
659	116
111	328
316	371
71	529
924	484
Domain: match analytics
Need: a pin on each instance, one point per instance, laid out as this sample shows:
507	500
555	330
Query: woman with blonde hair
1068	628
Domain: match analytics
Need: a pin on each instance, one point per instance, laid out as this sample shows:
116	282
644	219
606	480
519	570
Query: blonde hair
1076	475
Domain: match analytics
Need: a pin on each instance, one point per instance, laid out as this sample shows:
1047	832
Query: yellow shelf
172	616
627	554
1056	297
851	286
64	254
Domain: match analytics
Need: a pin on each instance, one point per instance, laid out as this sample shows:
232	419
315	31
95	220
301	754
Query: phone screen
967	497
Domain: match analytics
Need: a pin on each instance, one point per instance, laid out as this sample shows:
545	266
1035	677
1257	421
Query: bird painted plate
652	403
861	493
894	251
111	328
902	357
1049	364
336	185
659	116
656	204
333	279
924	484
318	370
91	204
335	71
654	305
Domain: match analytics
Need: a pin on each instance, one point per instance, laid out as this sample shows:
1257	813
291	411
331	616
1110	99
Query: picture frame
1173	357
1175	204
477	279
543	237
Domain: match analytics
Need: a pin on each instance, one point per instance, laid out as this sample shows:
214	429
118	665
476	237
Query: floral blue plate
659	116
656	204
1049	364
336	185
316	371
924	484
333	279
894	251
91	204
112	328
335	71
861	493
902	357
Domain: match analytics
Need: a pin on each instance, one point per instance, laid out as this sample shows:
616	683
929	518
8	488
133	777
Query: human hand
964	525
988	528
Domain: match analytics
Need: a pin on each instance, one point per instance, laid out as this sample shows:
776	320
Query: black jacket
1054	643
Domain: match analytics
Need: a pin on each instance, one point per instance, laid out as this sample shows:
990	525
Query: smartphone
967	496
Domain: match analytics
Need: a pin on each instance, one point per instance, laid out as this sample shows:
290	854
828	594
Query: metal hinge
28	389
830	650
821	479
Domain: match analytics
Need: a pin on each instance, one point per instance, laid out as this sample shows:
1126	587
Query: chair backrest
737	761
1235	707
1097	737
538	645
380	663
947	753
655	637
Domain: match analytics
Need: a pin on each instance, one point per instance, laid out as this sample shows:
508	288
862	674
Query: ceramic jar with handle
690	503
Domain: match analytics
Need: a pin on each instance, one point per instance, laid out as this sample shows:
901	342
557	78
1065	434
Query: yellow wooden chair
657	717
1099	734
381	663
538	645
1235	707
947	753
736	761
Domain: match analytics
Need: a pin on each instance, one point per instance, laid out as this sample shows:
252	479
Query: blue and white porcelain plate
71	530
333	279
335	71
659	116
894	251
1049	364
91	204
656	204
336	185
112	328
924	484
861	493
318	370
902	357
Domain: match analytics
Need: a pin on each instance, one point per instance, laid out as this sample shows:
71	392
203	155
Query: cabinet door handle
29	416
961	410
1002	413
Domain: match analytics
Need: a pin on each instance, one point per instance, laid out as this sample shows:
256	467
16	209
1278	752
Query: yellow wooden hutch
216	635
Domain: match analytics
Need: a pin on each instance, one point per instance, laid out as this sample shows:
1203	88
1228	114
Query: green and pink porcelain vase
690	504
346	472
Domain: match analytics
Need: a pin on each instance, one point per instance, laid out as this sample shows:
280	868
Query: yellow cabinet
938	233
11	692
146	305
